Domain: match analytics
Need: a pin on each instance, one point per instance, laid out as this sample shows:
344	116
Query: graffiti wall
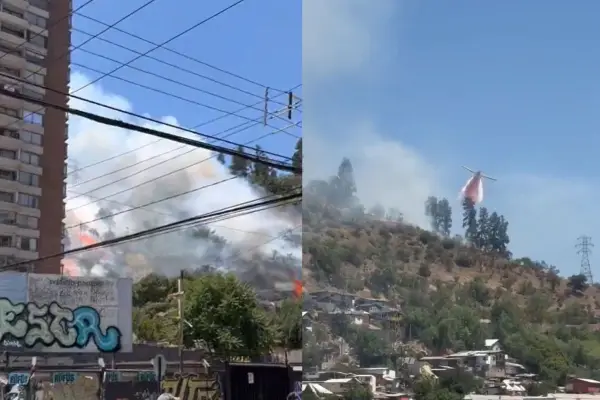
199	387
53	313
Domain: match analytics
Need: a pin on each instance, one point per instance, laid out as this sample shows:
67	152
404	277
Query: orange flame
70	267
298	288
86	239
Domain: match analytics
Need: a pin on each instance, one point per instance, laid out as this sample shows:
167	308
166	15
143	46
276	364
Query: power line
163	228
178	67
160	45
153	132
151	203
187	56
171	215
175	96
154	165
193	128
584	248
96	103
149	51
150	180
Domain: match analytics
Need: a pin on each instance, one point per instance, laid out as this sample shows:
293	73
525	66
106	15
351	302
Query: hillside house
341	299
484	363
582	385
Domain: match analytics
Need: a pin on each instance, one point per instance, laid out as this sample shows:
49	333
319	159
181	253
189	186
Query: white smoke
89	142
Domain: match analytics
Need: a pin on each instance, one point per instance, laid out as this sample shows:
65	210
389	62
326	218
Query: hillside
447	285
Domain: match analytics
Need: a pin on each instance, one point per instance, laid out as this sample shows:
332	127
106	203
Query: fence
234	381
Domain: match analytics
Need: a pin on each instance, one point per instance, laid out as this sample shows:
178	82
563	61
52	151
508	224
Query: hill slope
446	286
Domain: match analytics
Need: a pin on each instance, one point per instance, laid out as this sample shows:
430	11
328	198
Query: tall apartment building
34	44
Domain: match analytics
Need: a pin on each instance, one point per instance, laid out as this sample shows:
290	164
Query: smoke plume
245	244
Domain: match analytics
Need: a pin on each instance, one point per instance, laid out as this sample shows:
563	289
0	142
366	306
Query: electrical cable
159	229
175	96
149	51
187	56
151	203
157	212
153	132
162	77
160	45
153	165
96	103
193	128
150	180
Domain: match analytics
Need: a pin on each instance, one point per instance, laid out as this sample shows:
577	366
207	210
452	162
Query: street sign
160	366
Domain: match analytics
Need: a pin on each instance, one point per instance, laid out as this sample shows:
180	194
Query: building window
19	32
7	217
7	197
27	221
30	137
8	175
10	133
37	40
13	11
32	94
43	4
33	118
12	154
35	58
6	241
27	178
28	244
7	48
35	20
10	71
35	78
29	200
30	158
9	111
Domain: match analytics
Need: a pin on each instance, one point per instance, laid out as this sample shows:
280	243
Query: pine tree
432	211
297	156
499	238
469	220
445	217
482	238
239	166
344	186
260	172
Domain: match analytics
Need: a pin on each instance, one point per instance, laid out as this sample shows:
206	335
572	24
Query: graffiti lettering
204	387
33	324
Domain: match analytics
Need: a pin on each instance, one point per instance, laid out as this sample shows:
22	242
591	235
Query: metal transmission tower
584	248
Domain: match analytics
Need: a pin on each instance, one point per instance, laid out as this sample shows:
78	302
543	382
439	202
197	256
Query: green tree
225	317
482	238
239	166
289	324
297	156
469	220
152	288
261	173
344	186
431	210
577	283
358	391
445	217
498	234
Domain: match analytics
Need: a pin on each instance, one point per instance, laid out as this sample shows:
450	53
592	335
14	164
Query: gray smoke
255	244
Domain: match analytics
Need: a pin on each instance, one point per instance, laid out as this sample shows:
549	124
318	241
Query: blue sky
258	40
412	90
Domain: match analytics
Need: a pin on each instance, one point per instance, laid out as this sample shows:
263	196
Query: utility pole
584	248
179	295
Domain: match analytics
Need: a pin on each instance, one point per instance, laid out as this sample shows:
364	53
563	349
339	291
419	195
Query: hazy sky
412	90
